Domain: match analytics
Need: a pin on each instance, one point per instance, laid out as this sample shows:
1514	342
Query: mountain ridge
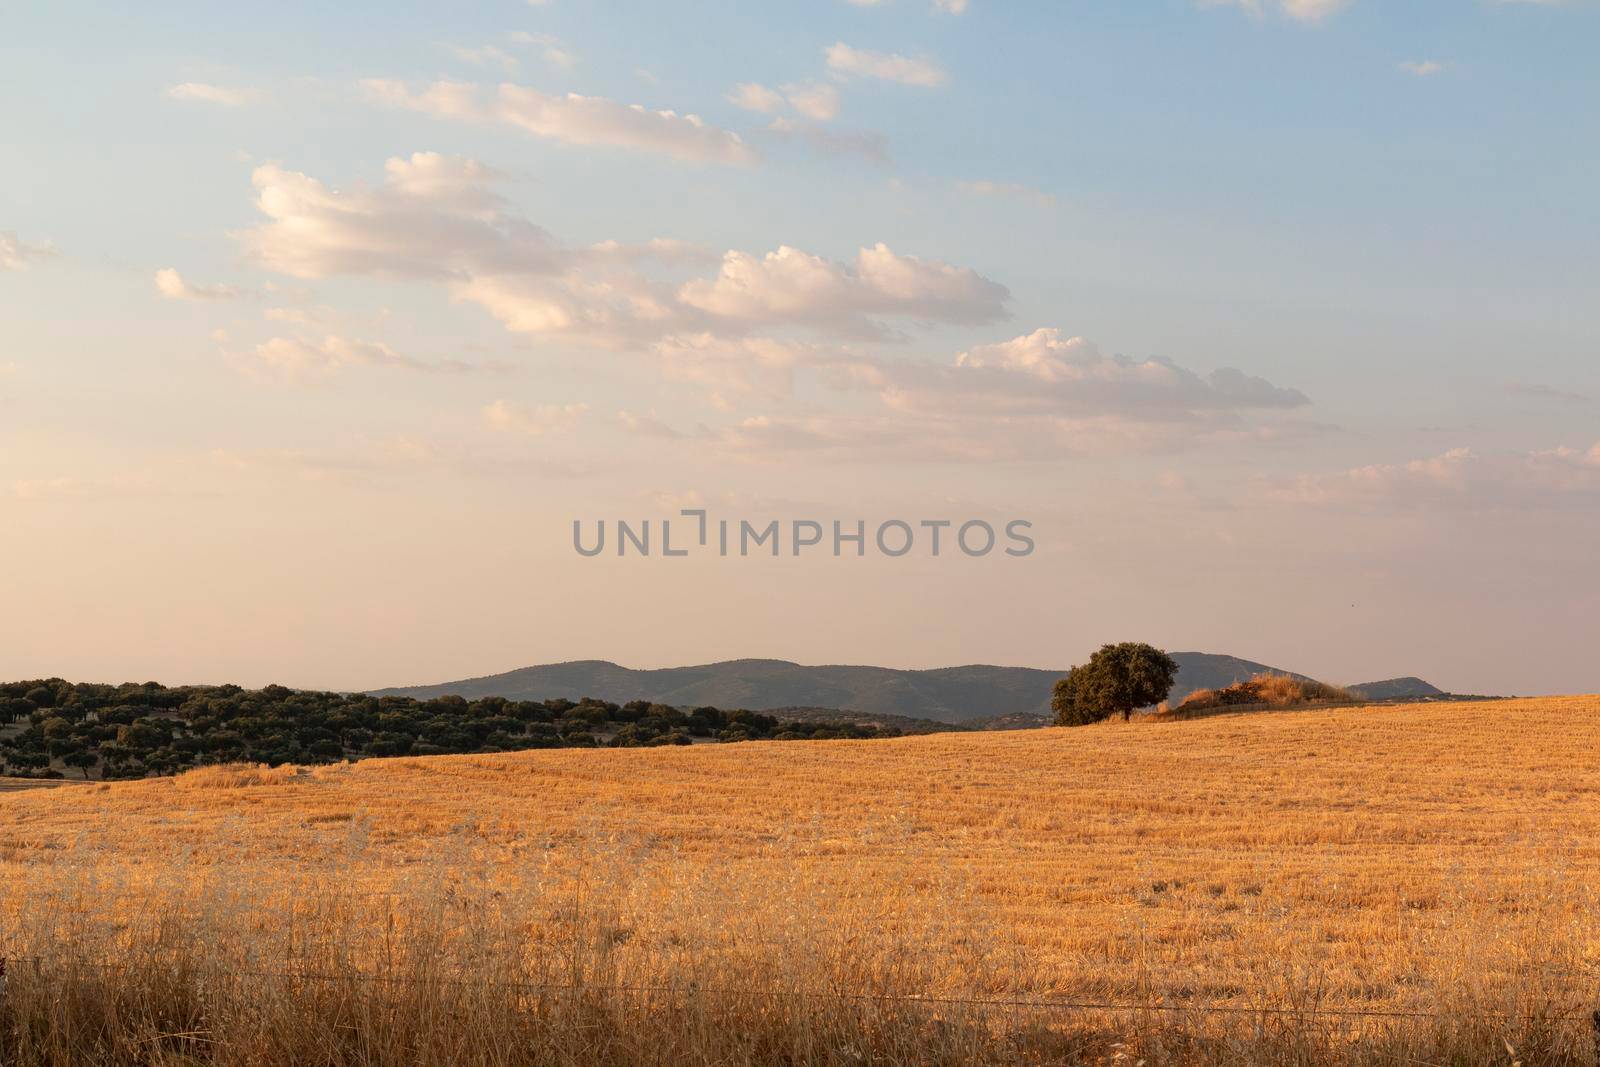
944	694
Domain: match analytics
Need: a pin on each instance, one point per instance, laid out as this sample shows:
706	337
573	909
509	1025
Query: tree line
50	727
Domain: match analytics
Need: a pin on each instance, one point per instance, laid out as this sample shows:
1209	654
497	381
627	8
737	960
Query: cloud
791	286
535	422
297	361
1312	10
1044	375
815	100
1422	68
437	217
170	284
552	49
1300	10
753	96
1040	396
486	56
886	66
434	216
753	365
573	119
200	92
748	332
947	7
812	100
1460	478
17	254
984	187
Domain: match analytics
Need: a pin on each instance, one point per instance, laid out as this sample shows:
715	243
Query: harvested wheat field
1409	884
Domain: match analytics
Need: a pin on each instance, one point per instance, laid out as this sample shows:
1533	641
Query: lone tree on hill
1116	678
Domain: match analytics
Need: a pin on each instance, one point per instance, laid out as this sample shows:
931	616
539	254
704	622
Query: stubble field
1372	885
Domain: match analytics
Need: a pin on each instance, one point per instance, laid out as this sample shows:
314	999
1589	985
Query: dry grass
1247	880
1266	690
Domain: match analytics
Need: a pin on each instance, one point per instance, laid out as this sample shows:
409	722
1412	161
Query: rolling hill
1395	689
946	694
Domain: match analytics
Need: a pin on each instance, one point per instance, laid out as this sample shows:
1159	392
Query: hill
946	694
1395	689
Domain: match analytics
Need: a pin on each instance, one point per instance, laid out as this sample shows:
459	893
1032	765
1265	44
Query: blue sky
1381	214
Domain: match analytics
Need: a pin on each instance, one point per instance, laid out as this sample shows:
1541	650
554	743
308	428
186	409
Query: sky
1275	320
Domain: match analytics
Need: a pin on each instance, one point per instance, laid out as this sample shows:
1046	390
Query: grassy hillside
949	694
1226	890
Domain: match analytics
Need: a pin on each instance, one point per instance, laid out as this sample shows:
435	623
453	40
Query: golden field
1352	885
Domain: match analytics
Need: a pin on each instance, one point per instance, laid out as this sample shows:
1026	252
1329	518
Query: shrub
1265	690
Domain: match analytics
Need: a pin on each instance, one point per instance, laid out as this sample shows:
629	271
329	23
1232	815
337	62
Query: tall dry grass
1352	887
1268	690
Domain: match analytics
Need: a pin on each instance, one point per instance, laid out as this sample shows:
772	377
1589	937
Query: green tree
1118	678
81	758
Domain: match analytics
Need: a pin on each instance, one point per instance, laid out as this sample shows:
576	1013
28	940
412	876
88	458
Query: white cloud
812	100
844	60
553	49
738	365
1422	68
296	361
1036	397
1300	10
791	286
486	56
437	217
17	254
574	119
1044	373
816	101
747	333
1312	10
753	96
171	284
535	422
1459	478
434	216
948	7
214	94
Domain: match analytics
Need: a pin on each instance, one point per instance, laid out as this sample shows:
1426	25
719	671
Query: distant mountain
1395	689
946	694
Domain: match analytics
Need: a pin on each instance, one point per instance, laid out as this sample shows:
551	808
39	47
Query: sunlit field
1372	885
